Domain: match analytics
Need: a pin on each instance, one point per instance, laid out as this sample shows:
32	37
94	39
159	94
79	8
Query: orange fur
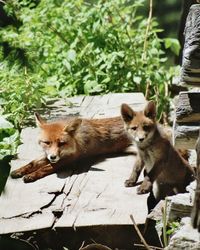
66	141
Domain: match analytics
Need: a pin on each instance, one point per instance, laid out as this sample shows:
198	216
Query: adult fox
66	141
167	172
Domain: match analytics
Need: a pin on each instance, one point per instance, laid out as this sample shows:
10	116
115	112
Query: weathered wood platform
88	200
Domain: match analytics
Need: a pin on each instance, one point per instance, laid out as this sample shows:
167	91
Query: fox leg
149	179
145	187
29	168
40	173
139	164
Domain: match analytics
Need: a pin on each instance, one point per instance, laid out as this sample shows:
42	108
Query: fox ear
72	126
127	112
150	110
39	121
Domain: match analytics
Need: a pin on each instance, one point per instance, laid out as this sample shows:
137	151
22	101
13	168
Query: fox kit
66	141
167	172
196	206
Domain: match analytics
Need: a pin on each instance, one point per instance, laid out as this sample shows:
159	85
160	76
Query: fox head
57	138
140	124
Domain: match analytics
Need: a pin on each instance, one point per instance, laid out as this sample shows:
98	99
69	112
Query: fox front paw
16	174
129	183
144	188
29	178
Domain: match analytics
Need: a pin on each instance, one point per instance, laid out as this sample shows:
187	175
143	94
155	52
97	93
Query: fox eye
46	142
62	143
134	128
146	128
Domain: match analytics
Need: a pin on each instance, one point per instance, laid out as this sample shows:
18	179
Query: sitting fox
196	206
167	172
66	141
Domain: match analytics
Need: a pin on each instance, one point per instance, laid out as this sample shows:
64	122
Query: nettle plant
90	47
20	92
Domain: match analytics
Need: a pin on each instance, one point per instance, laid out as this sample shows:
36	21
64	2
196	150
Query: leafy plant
173	227
88	47
168	227
173	44
20	93
9	140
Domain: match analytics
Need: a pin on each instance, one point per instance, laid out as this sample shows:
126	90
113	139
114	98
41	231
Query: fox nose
53	157
141	139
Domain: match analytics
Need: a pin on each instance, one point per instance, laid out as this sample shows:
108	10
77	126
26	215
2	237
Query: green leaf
4	124
91	87
71	55
106	80
173	44
67	64
137	79
129	74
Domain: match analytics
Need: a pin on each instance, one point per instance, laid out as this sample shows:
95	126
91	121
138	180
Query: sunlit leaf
71	55
172	44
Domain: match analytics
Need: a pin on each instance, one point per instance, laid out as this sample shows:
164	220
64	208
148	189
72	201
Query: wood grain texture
188	107
185	136
93	194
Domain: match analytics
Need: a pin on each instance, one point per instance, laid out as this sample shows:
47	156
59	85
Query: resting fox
167	172
66	141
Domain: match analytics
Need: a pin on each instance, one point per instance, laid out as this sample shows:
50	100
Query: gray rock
185	238
179	206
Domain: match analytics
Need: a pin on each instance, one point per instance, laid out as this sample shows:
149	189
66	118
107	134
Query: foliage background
64	48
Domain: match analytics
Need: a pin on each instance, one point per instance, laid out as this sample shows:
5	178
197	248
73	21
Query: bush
9	140
20	92
81	47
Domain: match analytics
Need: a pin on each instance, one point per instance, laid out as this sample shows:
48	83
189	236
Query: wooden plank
136	99
93	106
78	195
185	136
190	73
91	202
188	107
109	105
